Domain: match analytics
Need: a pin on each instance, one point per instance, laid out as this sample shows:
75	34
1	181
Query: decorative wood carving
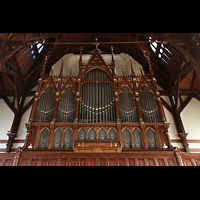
97	125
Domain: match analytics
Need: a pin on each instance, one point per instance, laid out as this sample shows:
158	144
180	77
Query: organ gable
97	61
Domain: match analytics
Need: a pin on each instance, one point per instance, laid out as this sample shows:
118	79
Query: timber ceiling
174	57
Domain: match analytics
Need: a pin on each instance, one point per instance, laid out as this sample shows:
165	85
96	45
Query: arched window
82	134
162	51
67	139
102	134
151	138
57	138
44	139
112	134
137	139
92	134
126	139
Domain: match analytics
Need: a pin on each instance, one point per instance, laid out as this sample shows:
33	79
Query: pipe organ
97	111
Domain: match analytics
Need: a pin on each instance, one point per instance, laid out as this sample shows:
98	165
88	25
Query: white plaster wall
191	121
6	119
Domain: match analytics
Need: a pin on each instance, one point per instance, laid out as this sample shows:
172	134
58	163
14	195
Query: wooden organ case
97	111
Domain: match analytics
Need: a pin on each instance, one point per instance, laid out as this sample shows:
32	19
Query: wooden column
56	108
144	136
160	107
78	99
51	136
138	108
157	134
34	108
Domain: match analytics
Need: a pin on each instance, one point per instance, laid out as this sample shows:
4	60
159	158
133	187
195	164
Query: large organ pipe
90	96
100	90
93	104
96	105
103	99
106	103
111	100
87	107
97	101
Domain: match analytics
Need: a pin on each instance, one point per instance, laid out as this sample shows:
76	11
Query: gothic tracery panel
137	139
67	139
126	139
151	138
44	136
57	139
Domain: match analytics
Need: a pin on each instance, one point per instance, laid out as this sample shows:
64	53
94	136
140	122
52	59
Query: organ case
97	111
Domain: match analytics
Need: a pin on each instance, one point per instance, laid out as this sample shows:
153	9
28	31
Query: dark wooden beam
10	105
185	103
11	93
197	97
169	108
26	107
175	73
17	68
195	62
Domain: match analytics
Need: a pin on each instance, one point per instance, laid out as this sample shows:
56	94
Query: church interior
99	99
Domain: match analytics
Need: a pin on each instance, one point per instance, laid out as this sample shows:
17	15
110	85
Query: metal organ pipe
97	102
149	107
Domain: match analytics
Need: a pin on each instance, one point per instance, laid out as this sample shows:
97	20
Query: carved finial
70	71
43	68
123	71
112	49
52	70
61	69
133	73
96	43
150	67
141	69
81	49
112	53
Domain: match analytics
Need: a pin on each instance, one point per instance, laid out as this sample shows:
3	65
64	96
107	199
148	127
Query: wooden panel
171	162
197	162
8	162
65	158
161	162
64	162
141	162
151	162
102	162
111	162
72	162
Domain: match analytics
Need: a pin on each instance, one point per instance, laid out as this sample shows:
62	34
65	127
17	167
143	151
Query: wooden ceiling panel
28	64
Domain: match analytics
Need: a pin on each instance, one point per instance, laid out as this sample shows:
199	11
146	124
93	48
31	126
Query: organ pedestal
97	111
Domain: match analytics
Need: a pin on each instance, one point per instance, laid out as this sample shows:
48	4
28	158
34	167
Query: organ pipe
97	98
